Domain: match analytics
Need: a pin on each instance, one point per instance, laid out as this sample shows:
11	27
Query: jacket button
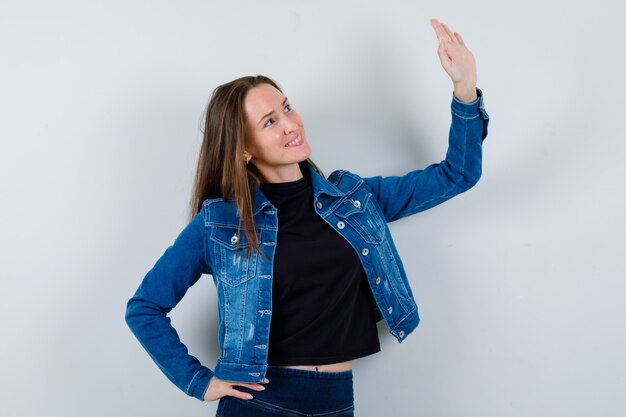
234	239
389	310
365	251
319	205
401	333
377	280
357	203
340	225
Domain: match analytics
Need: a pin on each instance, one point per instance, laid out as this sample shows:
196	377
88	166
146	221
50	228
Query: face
275	134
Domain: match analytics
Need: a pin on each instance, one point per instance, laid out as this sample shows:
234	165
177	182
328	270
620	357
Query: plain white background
520	281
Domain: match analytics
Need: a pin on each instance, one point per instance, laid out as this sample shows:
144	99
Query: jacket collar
320	186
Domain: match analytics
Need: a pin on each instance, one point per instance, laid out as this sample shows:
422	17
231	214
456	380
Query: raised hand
457	61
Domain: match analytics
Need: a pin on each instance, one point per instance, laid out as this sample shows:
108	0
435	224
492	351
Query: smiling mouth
296	141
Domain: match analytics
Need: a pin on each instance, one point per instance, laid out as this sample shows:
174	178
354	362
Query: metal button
389	310
357	203
377	280
318	204
401	333
340	224
365	251
234	239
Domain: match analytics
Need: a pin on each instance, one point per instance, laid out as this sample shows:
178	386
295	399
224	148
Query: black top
322	306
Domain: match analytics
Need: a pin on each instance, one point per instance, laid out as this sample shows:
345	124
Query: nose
290	126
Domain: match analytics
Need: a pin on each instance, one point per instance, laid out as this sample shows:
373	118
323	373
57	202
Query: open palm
456	59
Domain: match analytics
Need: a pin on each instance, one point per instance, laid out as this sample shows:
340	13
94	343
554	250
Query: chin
304	158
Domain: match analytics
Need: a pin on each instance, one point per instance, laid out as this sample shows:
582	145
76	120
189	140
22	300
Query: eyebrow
268	114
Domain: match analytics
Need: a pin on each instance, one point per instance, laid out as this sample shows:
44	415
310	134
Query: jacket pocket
229	249
358	211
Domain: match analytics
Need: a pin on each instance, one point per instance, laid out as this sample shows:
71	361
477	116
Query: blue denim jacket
357	208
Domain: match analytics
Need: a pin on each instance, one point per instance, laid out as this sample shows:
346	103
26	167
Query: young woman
304	265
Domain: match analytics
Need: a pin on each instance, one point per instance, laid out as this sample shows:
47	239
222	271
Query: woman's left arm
418	190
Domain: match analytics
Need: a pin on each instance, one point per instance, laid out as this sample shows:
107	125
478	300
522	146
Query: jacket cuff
200	383
469	110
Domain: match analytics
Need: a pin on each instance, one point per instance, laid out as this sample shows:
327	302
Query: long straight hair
222	171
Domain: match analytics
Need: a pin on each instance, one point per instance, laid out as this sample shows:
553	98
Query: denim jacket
357	208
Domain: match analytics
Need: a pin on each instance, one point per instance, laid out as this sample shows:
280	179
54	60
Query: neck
287	173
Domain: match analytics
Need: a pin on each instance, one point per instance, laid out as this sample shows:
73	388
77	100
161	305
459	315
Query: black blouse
322	306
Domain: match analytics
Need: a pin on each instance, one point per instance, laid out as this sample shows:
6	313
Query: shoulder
206	204
217	210
345	180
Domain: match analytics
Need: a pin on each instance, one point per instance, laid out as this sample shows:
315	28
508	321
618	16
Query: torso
331	367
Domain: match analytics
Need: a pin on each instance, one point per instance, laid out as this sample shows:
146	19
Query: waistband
300	392
281	370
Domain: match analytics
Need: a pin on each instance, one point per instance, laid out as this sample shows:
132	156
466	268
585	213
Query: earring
247	160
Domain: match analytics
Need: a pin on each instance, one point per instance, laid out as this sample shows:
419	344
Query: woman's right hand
457	61
218	389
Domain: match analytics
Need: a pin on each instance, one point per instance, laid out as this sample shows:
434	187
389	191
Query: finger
449	32
443	54
440	31
458	36
239	394
256	387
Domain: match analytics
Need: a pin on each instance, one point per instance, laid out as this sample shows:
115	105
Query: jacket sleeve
161	289
421	189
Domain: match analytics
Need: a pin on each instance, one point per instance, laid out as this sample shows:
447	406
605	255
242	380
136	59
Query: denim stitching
273	407
362	229
209	268
242	325
406	316
191	382
226	321
463	117
230	225
403	301
464	147
445	194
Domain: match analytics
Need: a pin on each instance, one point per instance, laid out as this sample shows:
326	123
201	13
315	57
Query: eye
272	120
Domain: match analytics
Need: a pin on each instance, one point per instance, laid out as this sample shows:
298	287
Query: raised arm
418	190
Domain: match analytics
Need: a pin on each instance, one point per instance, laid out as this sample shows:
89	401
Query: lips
294	142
